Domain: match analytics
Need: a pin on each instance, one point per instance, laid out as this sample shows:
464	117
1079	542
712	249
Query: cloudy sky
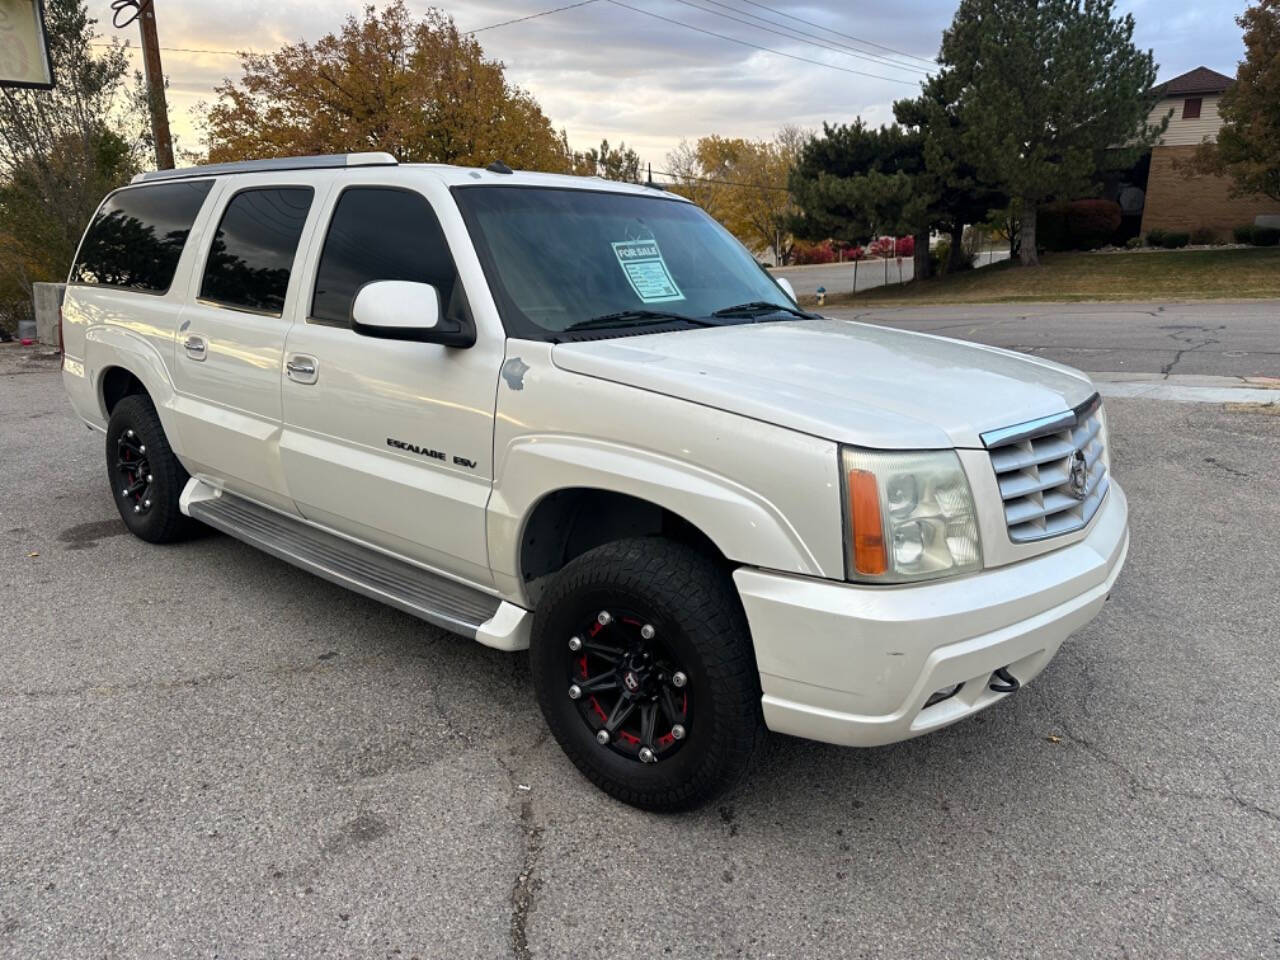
603	70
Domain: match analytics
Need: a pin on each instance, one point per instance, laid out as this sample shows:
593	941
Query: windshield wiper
633	318
758	308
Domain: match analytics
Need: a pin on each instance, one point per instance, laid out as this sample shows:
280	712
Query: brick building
1174	199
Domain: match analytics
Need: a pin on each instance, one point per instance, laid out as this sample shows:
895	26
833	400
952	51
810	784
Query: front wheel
643	668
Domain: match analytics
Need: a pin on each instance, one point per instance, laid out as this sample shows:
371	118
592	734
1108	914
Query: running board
419	592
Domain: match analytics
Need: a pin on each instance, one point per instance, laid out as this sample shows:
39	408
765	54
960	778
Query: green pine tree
1047	90
855	182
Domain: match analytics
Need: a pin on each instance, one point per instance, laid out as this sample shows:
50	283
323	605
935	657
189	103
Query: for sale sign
24	48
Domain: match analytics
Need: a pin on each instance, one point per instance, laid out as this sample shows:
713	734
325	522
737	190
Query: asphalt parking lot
204	752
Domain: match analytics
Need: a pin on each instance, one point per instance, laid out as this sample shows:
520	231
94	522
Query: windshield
558	259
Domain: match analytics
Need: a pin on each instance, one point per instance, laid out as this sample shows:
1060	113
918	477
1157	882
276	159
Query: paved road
1220	339
840	277
204	752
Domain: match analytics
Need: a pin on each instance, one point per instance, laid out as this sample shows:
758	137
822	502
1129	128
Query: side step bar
419	592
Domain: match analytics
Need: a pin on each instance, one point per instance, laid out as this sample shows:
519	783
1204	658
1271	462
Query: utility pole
155	85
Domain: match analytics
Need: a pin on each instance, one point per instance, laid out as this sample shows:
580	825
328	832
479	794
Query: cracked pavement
1216	338
204	752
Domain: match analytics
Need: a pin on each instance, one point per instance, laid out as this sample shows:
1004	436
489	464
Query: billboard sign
24	46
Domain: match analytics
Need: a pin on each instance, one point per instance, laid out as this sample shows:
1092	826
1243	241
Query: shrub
1155	238
1077	225
808	253
904	247
1174	239
1203	236
1266	236
1243	233
1133	243
1093	222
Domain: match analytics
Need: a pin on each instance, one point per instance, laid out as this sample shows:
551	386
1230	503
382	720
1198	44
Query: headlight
908	516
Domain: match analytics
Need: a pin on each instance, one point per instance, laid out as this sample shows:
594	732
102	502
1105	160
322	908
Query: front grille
1052	472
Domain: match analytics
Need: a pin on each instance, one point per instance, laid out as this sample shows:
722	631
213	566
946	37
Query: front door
390	441
230	342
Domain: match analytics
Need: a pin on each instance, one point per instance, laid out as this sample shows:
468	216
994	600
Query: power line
798	35
847	36
532	16
226	53
756	46
866	54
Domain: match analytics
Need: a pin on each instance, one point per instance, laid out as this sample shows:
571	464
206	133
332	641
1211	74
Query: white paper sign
646	271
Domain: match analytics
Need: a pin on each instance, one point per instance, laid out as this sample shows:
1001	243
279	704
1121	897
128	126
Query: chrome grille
1052	472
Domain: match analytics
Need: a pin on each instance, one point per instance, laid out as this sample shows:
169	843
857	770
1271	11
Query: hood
843	381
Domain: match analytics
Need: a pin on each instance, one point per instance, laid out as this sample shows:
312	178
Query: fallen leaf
1053	738
34	553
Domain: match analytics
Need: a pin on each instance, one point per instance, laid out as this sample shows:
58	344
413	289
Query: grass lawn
1251	273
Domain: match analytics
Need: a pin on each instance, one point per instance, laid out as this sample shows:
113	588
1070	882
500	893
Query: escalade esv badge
1079	478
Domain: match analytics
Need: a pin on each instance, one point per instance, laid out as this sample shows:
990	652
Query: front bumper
855	665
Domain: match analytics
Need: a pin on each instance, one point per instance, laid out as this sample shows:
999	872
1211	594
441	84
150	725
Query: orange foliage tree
418	89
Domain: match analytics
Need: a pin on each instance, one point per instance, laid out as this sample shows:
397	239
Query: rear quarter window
136	238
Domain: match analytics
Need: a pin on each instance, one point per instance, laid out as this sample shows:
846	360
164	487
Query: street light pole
155	86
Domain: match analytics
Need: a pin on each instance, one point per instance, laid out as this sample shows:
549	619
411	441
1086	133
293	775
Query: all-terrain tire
150	513
691	603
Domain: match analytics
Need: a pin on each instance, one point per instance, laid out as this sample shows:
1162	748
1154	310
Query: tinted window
382	234
253	251
137	237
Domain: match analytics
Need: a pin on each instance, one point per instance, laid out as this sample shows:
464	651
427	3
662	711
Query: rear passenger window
136	238
253	250
380	233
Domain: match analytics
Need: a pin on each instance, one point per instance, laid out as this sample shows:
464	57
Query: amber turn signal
869	556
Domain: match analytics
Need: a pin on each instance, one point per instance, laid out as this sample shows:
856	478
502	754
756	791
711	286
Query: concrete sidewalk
1189	388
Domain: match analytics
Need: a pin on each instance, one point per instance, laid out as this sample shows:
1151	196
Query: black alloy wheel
643	667
146	478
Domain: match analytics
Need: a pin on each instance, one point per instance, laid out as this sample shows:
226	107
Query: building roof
1199	80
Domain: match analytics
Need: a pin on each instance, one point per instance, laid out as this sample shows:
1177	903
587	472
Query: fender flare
110	345
744	525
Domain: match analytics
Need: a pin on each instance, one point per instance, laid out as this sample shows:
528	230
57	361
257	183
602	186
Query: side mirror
789	290
404	310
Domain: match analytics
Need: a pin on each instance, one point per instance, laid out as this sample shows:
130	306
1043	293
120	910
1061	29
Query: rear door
230	342
391	441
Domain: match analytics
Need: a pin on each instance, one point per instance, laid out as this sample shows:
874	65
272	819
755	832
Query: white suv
576	417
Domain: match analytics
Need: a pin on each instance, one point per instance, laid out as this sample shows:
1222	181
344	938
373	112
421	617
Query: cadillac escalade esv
576	417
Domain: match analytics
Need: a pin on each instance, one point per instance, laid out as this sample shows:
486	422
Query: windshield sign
590	260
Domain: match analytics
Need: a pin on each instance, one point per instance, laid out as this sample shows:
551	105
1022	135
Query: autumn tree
742	183
62	150
1045	89
611	163
1248	145
416	88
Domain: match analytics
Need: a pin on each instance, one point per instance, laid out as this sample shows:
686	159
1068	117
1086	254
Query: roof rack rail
317	162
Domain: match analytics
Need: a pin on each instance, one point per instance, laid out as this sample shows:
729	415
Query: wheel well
118	383
568	523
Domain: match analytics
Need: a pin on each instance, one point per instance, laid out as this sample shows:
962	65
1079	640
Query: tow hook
1004	681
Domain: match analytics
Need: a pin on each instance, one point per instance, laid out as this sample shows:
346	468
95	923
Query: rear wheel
643	668
146	478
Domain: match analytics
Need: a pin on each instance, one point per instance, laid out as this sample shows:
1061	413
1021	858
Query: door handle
301	369
196	347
